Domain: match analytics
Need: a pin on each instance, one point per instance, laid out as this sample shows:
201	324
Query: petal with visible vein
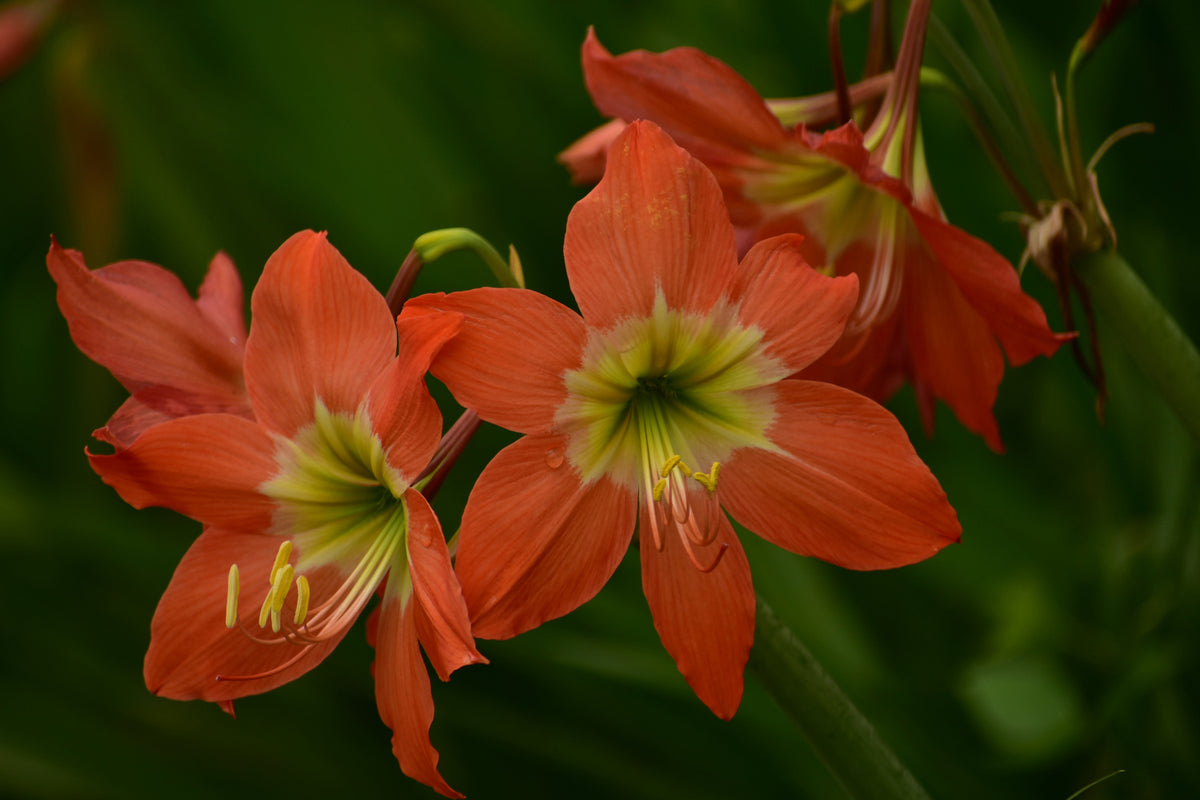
847	486
137	320
403	414
955	356
208	467
189	643
655	222
992	287
509	357
800	311
221	301
702	102
536	543
404	696
705	619
441	613
320	331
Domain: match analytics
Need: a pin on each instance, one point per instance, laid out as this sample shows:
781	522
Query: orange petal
137	320
508	359
801	312
586	157
133	417
963	368
441	613
208	467
404	697
320	331
702	102
535	542
847	488
189	643
874	364
705	619
655	222
221	301
403	414
992	287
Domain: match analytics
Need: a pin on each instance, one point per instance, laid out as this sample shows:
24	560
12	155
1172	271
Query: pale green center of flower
861	230
660	398
340	506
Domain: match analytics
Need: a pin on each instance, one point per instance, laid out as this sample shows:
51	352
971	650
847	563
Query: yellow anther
283	584
709	480
276	623
265	611
674	462
301	600
660	486
231	597
281	558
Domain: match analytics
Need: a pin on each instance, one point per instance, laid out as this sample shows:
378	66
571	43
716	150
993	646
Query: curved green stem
1163	352
843	739
435	244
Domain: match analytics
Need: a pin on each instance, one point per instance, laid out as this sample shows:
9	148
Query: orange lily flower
669	400
936	303
176	356
312	501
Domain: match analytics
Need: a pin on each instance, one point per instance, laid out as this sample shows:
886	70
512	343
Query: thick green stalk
1161	349
842	737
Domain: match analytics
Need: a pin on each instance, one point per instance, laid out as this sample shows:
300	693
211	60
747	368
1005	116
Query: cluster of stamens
706	479
697	526
282	577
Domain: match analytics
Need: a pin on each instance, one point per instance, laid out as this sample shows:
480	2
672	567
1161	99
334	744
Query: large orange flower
309	507
669	400
176	356
936	304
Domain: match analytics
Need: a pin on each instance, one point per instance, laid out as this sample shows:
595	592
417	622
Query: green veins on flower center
672	383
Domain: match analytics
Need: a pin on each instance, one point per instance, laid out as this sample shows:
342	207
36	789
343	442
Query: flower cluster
711	380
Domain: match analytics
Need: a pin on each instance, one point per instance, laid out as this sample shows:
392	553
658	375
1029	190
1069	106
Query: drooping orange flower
669	400
309	507
176	356
936	304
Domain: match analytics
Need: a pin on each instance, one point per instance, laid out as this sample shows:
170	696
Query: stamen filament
687	546
266	673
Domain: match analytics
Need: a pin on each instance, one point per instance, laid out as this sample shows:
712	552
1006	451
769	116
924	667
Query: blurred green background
1057	644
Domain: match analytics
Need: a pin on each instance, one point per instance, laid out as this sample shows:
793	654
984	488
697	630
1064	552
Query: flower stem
1164	353
842	737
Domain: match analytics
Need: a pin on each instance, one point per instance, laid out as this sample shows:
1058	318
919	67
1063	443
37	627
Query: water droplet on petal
426	539
554	458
